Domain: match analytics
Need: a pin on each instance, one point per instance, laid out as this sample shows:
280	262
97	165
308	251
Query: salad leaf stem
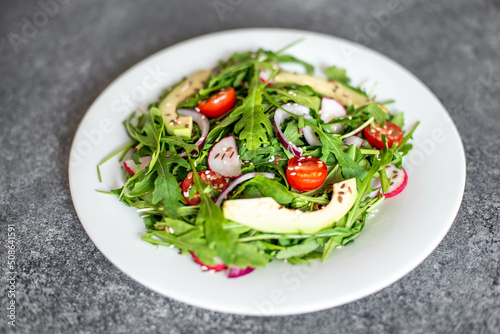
358	129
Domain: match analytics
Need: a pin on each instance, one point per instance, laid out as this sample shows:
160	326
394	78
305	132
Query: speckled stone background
50	75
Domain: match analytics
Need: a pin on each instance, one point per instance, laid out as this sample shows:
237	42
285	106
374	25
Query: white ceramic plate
401	235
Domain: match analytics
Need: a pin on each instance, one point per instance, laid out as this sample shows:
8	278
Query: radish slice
131	167
398	179
217	267
202	122
264	75
353	140
224	159
235	272
331	109
241	179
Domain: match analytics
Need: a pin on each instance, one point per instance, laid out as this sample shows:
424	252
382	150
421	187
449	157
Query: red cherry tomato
306	173
219	103
393	133
215	180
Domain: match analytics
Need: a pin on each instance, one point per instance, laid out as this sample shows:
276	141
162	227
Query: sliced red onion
331	109
338	127
310	135
241	179
353	140
224	159
202	122
280	116
234	272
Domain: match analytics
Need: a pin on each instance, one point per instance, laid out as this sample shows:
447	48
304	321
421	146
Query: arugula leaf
292	133
337	74
212	218
364	186
398	119
269	188
248	255
306	247
332	144
176	141
308	99
142	185
177	226
279	58
253	125
371	110
167	188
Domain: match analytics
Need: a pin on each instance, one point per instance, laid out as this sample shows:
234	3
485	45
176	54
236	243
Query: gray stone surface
65	285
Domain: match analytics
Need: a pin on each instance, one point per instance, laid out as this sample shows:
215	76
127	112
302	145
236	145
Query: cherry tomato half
219	103
393	133
306	173
215	180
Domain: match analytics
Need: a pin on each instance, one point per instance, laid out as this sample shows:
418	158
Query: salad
246	163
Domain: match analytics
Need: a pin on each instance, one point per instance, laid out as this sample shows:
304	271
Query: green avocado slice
181	126
266	215
329	88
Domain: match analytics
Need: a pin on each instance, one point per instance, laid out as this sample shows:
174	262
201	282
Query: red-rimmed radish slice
131	167
398	180
241	179
264	75
331	109
217	267
235	272
202	122
353	140
224	159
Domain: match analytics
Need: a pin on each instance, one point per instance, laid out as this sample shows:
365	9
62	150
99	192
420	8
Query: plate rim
290	311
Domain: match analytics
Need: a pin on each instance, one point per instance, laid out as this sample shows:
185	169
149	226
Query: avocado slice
329	88
266	215
181	126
